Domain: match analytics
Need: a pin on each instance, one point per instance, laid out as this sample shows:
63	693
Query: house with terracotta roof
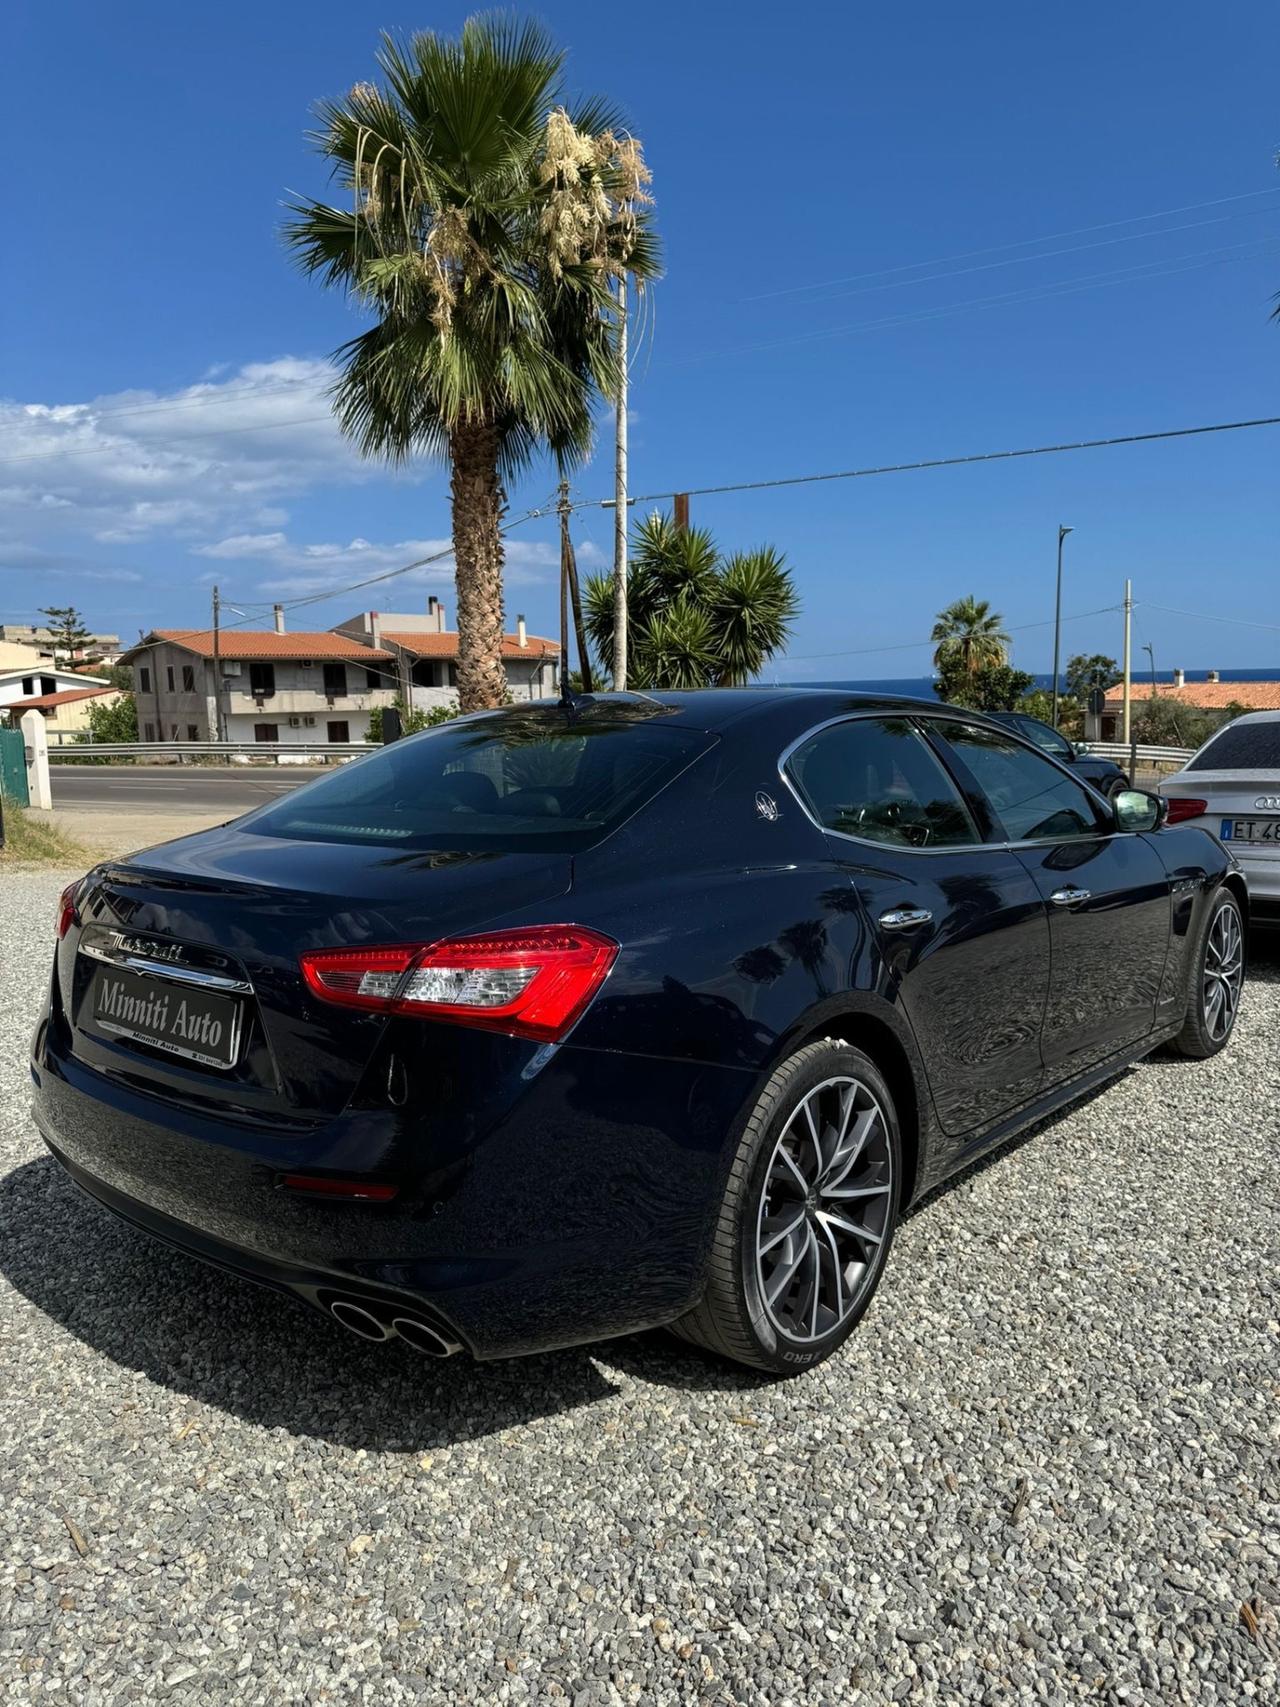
65	710
1211	694
268	685
36	679
426	654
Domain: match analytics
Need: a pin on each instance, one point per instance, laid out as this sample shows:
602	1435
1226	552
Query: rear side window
1241	746
1028	796
538	780
876	778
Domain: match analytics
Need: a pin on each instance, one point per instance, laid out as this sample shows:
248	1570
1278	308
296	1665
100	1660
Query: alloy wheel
824	1209
1223	972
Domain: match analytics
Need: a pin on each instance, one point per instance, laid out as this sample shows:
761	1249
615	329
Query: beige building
269	686
426	654
65	712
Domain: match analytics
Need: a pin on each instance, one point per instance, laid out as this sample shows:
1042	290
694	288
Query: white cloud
139	464
295	569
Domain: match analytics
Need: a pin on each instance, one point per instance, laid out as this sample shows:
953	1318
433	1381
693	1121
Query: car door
960	928
1106	891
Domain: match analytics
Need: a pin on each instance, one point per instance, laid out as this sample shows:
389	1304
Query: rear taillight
1180	809
530	983
67	915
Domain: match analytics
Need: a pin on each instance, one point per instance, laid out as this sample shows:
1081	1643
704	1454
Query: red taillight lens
67	915
530	983
1180	809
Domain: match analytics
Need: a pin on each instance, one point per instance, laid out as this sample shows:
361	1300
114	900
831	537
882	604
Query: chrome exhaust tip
357	1320
423	1337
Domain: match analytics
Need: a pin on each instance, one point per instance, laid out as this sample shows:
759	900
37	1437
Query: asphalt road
176	788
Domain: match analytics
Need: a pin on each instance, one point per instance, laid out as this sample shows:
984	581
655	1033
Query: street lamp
1150	652
1057	621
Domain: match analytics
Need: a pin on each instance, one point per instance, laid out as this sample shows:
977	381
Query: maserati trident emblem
767	807
1268	802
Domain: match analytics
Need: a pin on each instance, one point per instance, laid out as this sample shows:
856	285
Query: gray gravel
1046	1469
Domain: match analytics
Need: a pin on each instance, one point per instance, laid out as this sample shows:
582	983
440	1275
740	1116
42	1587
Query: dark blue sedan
568	1020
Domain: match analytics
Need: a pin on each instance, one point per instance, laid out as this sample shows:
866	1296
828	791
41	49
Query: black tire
735	1320
1203	1033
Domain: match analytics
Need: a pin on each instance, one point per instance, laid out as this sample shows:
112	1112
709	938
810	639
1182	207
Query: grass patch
30	840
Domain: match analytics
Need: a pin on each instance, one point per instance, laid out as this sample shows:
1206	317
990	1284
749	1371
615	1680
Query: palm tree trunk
478	506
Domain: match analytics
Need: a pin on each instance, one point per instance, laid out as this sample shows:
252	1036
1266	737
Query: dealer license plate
177	1018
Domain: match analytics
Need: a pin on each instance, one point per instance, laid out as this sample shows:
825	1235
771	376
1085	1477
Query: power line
1045	255
914	645
938	462
228	394
1022	243
1210	616
132	444
1137	274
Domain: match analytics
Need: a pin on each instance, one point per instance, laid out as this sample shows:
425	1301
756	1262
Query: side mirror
1137	810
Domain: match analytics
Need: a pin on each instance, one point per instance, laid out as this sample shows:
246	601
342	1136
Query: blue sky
161	364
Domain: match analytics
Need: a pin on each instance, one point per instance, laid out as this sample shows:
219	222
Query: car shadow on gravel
257	1354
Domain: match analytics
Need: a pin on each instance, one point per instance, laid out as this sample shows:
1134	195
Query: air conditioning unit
306	664
295	723
231	666
310	722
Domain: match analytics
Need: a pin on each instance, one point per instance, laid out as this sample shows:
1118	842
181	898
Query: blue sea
921	687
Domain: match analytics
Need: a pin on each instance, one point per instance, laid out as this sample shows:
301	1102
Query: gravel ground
1047	1468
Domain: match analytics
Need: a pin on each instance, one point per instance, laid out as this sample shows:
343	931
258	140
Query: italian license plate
177	1018
1251	830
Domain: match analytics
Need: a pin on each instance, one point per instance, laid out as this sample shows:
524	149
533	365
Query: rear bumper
582	1212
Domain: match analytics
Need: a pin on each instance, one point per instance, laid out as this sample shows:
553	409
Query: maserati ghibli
580	1018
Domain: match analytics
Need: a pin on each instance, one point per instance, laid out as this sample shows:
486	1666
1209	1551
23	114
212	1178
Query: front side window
335	681
262	679
188	678
266	731
1241	746
876	778
1029	797
1047	739
144	679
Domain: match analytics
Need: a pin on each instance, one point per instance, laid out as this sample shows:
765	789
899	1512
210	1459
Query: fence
1137	752
181	752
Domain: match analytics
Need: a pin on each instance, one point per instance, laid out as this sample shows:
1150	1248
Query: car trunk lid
216	922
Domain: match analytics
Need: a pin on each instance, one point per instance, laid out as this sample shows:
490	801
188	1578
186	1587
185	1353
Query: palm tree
698	619
968	637
484	226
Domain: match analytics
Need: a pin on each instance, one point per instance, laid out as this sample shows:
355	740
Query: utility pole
569	573
1057	621
681	512
218	734
563	508
620	503
1128	627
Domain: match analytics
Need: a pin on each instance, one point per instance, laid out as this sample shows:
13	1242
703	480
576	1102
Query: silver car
1232	787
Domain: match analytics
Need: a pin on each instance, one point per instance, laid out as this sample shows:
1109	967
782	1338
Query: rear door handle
905	918
1070	897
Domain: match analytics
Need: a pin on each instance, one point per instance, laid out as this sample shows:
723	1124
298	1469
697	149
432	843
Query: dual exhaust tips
359	1319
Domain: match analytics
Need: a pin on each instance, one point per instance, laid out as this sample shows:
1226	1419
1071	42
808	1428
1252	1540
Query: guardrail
179	752
1140	751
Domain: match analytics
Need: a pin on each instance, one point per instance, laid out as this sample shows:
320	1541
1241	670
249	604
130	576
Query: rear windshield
1241	746
539	780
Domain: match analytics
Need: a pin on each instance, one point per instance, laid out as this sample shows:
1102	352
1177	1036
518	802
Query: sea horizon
921	687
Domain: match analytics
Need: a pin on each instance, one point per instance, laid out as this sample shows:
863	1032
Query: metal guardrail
180	751
1140	751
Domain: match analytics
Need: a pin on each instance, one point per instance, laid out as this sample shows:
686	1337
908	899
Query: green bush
412	719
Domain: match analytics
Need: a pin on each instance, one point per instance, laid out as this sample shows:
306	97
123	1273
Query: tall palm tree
484	225
698	619
968	636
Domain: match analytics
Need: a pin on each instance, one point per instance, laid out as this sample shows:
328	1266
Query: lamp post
1150	652
1057	621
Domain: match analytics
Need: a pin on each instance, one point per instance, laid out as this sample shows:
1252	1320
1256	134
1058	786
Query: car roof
713	709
